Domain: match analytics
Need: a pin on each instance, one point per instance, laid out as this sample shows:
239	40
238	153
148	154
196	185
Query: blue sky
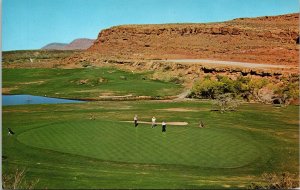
31	24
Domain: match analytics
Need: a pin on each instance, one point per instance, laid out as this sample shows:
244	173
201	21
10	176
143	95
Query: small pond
8	100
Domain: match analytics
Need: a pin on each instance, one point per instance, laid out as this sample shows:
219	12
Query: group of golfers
153	123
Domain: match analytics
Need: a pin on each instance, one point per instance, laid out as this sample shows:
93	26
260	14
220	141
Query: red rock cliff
270	39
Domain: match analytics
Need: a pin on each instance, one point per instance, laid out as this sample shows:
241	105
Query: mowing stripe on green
122	142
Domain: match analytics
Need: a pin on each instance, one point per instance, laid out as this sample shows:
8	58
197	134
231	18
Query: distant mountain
77	44
81	43
56	46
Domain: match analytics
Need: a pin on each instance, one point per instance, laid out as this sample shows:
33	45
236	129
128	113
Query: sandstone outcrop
271	39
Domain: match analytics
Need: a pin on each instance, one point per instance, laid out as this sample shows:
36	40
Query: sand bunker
178	109
178	123
7	90
33	82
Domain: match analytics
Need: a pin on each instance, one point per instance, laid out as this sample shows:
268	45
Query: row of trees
247	88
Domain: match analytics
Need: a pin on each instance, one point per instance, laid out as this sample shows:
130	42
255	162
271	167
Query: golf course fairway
62	147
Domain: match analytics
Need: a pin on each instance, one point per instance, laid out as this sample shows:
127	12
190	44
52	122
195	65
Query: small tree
255	84
225	102
206	88
241	87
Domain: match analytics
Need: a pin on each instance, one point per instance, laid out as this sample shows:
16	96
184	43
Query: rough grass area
63	148
23	56
87	83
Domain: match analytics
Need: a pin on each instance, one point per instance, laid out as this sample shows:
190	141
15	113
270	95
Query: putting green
117	141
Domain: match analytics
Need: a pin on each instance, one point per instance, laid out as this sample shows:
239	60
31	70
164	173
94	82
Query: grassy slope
66	83
23	56
273	131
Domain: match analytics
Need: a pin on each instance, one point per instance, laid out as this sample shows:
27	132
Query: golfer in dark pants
135	119
164	126
10	132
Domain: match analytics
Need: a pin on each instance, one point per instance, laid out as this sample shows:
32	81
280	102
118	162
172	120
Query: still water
8	100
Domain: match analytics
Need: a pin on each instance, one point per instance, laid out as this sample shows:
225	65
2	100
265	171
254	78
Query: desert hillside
269	39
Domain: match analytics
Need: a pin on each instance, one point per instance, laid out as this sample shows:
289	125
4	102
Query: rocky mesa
268	39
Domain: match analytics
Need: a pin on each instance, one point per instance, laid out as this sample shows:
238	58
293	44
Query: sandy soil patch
107	94
91	90
293	122
177	123
7	90
33	82
180	123
110	96
15	111
178	109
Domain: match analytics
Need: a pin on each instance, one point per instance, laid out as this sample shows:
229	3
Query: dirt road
227	63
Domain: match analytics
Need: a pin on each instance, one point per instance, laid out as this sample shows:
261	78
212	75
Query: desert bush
265	95
167	67
167	77
85	64
287	90
277	181
16	180
175	80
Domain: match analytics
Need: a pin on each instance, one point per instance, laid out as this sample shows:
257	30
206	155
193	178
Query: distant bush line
248	88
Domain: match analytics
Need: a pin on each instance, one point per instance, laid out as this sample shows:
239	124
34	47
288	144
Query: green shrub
211	88
175	80
85	64
206	88
259	89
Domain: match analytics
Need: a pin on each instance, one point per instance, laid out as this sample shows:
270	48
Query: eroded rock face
262	40
268	40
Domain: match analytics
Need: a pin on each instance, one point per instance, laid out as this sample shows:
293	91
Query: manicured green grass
116	141
84	83
62	147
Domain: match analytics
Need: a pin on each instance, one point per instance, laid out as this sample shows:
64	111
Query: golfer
153	122
10	132
201	124
164	126
135	119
